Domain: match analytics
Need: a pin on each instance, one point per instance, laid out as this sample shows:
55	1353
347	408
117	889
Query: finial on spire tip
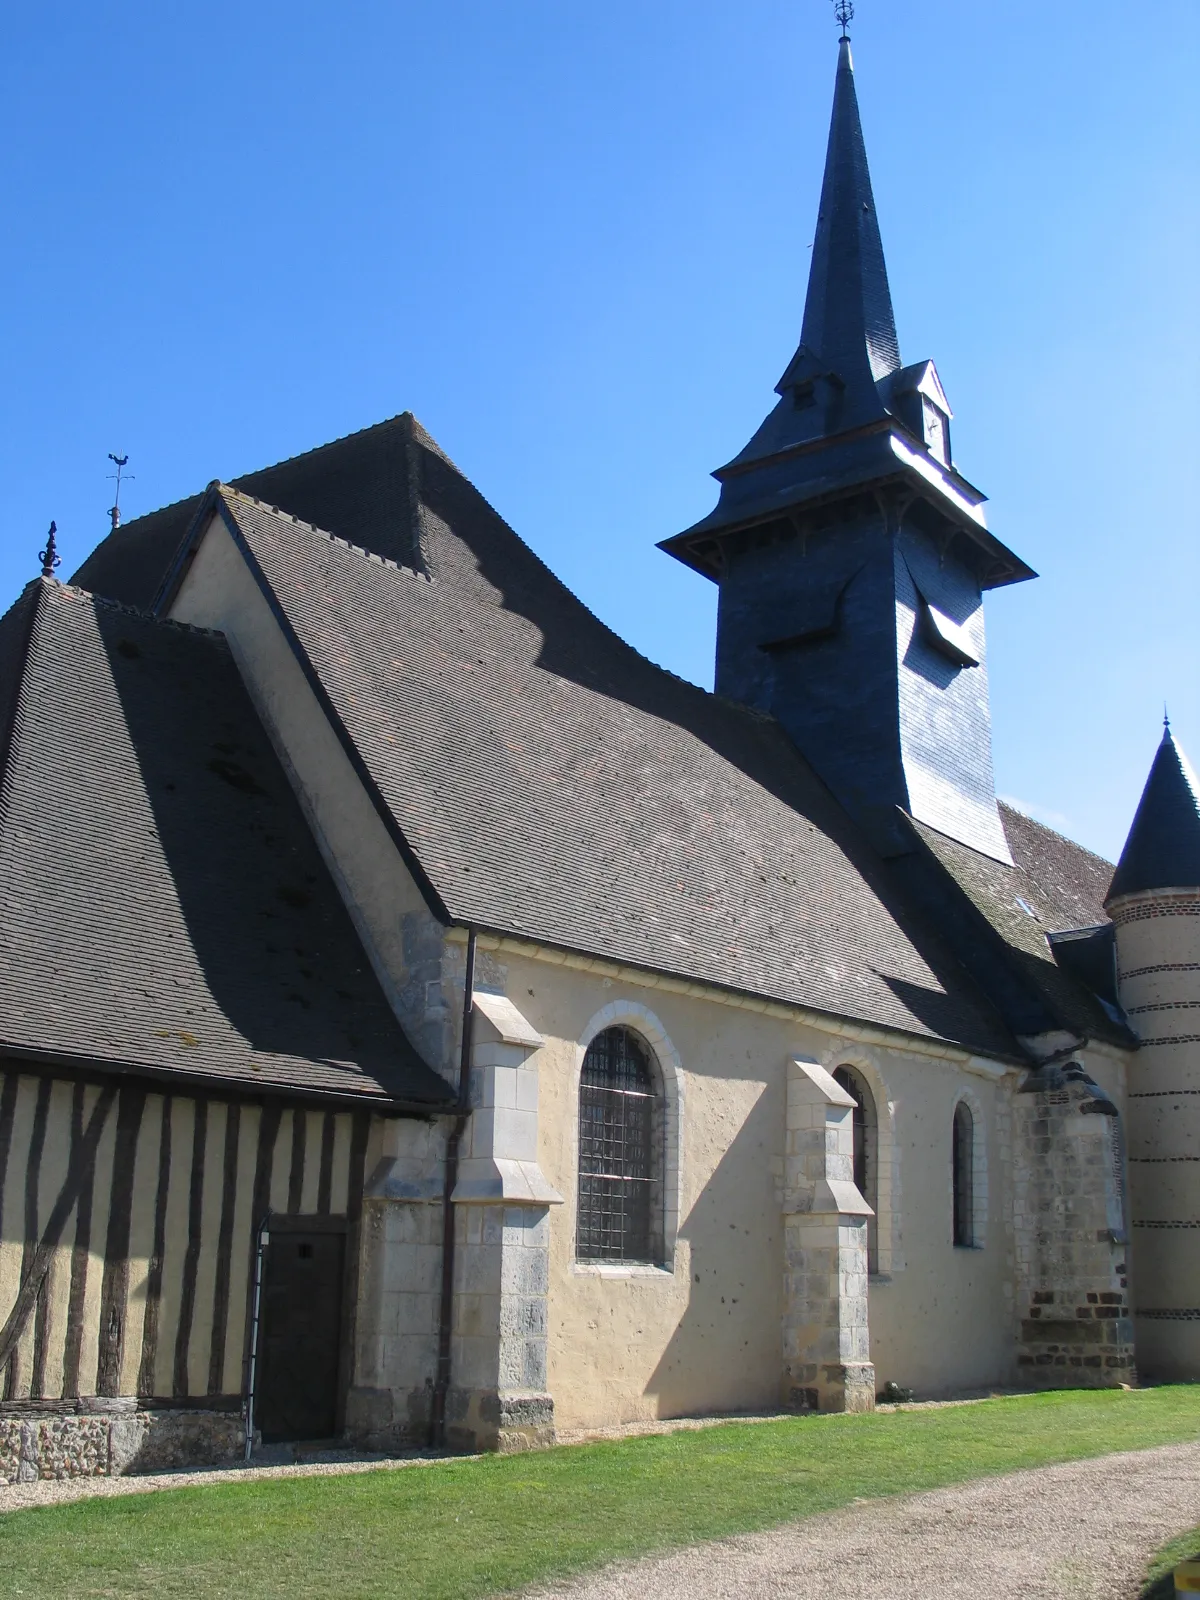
843	10
49	557
1166	719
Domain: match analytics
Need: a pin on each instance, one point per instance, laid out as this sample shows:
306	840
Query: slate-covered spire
849	327
852	555
1163	847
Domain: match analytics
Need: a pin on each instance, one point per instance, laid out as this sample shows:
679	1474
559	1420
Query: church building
423	1020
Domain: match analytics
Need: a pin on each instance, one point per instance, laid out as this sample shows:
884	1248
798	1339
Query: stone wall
112	1442
1071	1247
1158	951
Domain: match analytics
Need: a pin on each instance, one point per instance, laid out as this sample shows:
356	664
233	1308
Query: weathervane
49	557
843	10
120	462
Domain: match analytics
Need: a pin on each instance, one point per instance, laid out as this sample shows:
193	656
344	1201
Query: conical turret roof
1163	847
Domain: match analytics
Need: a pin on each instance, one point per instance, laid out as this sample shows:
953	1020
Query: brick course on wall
1069	1235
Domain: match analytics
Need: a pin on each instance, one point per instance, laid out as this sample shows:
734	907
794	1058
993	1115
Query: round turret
1154	903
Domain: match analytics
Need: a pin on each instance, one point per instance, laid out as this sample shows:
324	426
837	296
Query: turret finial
49	557
843	10
1166	719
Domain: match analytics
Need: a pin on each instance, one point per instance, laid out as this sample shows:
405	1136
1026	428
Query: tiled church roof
165	908
357	487
1052	885
552	783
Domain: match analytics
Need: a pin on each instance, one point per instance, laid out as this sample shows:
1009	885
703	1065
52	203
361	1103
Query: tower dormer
851	554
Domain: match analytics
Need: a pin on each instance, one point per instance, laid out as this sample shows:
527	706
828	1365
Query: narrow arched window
866	1152
620	1203
963	1164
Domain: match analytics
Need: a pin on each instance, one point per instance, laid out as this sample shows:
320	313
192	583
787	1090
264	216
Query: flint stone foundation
109	1445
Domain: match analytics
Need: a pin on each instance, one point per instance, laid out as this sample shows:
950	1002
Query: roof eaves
684	975
220	1083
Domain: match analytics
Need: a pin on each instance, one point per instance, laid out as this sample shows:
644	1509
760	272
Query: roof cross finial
843	10
49	557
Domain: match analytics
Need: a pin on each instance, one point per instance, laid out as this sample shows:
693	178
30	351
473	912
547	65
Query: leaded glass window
963	1160
619	1134
866	1153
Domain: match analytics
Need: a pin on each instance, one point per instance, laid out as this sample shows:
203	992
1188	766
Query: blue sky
574	240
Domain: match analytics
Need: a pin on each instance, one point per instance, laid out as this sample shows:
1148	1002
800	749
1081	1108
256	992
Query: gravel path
1085	1529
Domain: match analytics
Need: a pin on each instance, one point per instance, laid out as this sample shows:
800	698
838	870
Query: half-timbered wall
150	1255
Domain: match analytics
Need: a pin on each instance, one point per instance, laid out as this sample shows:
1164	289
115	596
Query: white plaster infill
499	1164
641	1020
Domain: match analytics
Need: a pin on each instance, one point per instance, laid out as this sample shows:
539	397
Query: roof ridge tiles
322	533
131	611
342	438
300	455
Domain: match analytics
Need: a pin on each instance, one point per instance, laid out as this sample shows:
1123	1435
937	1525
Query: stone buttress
826	1337
501	1216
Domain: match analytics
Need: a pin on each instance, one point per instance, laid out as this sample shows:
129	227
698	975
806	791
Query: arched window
963	1165
866	1152
620	1161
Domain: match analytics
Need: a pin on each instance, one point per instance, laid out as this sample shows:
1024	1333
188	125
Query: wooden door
300	1338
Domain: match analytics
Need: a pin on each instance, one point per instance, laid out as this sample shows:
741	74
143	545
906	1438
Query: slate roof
1163	847
839	428
552	783
849	327
164	908
358	487
1053	885
547	781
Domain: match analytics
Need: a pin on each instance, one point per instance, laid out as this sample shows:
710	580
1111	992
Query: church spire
849	329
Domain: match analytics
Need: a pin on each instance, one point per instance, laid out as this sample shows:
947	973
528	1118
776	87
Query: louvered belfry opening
619	1133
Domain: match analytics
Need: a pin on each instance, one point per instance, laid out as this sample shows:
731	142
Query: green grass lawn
1160	1585
456	1530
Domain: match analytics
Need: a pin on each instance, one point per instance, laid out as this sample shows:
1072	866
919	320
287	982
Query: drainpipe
441	1387
260	1248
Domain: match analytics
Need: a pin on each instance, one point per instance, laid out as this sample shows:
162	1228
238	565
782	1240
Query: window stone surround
642	1021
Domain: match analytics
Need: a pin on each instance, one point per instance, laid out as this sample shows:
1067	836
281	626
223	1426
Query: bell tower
851	554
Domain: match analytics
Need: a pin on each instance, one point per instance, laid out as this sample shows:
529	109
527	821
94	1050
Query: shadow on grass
1160	1577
